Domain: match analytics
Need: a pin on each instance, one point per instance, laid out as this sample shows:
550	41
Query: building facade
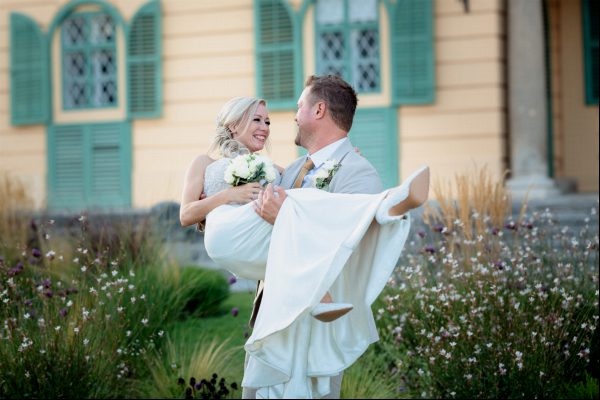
104	103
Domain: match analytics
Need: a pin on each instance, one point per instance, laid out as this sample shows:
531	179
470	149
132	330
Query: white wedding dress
346	244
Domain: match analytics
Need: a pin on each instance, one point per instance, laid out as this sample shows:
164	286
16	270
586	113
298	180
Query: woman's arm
194	210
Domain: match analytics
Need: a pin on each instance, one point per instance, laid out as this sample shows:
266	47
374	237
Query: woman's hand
244	193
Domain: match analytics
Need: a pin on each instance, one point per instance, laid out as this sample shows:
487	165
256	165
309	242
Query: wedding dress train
346	244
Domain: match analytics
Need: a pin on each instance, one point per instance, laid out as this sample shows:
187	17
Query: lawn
222	327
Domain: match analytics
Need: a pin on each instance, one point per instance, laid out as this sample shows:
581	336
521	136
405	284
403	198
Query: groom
325	113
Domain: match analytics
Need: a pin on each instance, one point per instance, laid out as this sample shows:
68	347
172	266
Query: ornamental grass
487	304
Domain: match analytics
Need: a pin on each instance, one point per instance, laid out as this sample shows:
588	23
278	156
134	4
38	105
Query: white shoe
327	312
411	194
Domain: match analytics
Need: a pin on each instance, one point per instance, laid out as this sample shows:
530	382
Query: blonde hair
235	115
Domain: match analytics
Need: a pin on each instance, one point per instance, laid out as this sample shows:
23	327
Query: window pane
103	29
105	92
104	63
75	64
331	53
332	46
330	12
76	94
74	31
105	88
363	10
365	54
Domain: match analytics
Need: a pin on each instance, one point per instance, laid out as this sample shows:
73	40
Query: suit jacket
355	175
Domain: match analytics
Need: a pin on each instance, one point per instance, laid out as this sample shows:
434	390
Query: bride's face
257	131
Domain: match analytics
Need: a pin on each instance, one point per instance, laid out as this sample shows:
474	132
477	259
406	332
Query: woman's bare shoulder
202	160
198	166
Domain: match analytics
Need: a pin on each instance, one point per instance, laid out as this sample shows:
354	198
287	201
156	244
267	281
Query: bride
321	243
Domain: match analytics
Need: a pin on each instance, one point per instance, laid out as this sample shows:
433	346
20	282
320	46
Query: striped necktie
308	165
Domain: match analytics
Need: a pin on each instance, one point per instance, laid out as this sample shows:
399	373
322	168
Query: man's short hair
339	96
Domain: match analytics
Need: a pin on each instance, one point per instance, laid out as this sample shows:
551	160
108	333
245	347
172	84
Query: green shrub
587	389
203	290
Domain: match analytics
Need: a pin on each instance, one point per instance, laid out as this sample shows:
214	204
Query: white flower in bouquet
248	168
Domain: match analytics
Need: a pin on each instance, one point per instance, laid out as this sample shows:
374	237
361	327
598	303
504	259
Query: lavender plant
75	327
487	305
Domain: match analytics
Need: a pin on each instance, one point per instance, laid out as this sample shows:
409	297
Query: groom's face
304	118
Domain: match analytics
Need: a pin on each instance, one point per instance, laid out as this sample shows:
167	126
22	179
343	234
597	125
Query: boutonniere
324	175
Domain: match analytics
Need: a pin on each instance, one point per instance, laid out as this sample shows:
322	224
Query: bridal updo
235	116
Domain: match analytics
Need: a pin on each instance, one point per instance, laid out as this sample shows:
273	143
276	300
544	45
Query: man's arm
358	179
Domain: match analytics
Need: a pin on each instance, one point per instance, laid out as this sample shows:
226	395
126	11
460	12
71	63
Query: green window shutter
89	166
275	55
67	166
374	133
110	180
28	72
590	50
144	62
412	52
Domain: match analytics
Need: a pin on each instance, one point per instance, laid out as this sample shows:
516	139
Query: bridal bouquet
248	168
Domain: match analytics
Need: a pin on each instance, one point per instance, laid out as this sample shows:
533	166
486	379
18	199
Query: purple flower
511	225
421	234
235	311
48	293
429	249
47	283
28	303
63	312
72	291
499	265
36	253
495	231
16	270
232	280
438	228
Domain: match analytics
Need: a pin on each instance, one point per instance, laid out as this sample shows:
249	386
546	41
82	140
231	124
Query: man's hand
269	202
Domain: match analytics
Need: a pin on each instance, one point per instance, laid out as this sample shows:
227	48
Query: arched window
89	61
348	42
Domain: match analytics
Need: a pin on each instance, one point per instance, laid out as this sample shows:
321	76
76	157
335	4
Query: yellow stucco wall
466	124
575	124
208	57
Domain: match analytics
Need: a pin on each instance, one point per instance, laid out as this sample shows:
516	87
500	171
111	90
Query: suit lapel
291	173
